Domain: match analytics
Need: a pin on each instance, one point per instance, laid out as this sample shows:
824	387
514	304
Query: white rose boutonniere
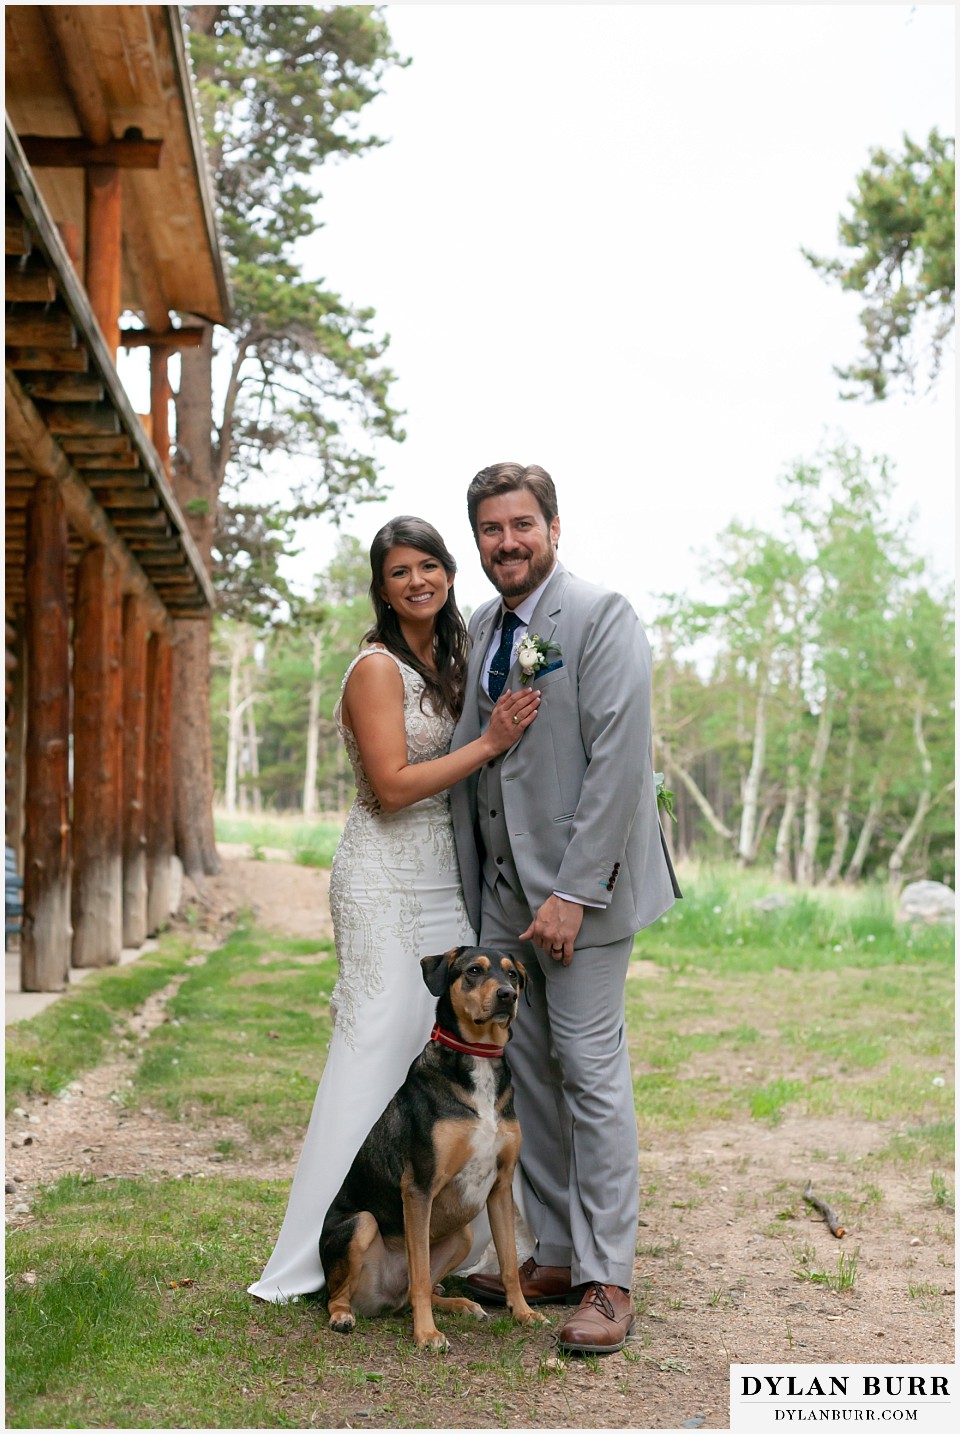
665	798
533	654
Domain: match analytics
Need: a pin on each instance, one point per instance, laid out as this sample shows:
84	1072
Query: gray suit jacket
578	791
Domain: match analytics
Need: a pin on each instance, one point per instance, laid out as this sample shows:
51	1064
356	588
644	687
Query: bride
395	891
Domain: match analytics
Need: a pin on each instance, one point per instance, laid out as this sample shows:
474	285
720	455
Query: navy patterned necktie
503	657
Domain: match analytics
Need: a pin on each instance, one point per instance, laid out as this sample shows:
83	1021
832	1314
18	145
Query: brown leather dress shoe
540	1285
601	1323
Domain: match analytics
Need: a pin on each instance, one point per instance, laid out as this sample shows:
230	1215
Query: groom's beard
516	583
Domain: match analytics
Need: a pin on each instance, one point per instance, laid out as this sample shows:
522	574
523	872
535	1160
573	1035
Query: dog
445	1146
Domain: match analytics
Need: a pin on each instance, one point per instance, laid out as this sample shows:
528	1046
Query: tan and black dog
445	1146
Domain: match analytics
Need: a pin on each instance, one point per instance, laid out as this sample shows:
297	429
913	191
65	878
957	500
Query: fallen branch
833	1222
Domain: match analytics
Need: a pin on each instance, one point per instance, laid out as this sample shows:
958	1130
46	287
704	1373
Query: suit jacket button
493	763
493	811
499	861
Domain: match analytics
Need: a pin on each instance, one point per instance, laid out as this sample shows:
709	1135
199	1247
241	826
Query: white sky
584	239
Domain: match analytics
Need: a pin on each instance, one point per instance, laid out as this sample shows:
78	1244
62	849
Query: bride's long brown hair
451	644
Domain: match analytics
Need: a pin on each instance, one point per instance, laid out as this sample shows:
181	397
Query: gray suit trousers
573	1091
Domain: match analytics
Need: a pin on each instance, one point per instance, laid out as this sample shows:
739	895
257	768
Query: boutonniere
664	797
533	654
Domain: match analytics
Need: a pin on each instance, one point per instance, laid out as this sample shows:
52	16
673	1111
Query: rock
931	902
21	1208
10	1187
776	901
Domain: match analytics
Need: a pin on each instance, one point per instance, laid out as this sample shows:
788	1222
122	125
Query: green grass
126	1298
71	1036
816	930
825	1006
138	1317
247	1040
308	843
840	1280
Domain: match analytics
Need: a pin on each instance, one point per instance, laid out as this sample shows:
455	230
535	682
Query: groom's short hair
507	478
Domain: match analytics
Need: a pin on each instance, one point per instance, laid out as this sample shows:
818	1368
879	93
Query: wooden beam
65	27
67	360
85	445
53	329
104	249
132	482
81	418
27	430
17	239
21	181
135	637
97	902
45	938
135	518
47	152
65	388
126	499
120	462
159	781
186	338
29	286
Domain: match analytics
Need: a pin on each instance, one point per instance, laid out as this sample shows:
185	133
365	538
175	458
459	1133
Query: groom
563	860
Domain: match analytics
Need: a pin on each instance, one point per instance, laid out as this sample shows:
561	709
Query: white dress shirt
524	611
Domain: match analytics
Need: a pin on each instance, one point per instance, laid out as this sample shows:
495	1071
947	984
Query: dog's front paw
432	1339
343	1322
527	1316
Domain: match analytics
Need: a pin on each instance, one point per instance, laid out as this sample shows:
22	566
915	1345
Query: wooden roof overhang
111	84
68	417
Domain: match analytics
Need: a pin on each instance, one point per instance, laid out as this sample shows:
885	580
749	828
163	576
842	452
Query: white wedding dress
395	896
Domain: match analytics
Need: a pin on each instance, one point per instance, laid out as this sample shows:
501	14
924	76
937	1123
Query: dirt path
724	1228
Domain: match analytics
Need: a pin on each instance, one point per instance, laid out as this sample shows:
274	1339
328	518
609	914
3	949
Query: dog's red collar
469	1048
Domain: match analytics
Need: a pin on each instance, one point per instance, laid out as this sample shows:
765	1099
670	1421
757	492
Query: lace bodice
428	735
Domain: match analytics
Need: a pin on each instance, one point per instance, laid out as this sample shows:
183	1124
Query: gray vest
497	855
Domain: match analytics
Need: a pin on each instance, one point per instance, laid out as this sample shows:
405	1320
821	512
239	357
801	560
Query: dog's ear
436	970
520	972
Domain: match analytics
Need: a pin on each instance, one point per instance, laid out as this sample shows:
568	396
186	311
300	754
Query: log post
103	248
160	396
16	740
159	789
97	762
135	635
45	938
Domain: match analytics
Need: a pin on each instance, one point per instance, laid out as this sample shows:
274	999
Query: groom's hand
555	928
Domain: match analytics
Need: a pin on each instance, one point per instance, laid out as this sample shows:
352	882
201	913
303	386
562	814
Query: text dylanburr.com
798	1396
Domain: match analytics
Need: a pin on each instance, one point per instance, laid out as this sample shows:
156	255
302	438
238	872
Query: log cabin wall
104	245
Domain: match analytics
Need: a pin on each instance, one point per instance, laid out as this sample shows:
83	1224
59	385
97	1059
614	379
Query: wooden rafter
46	152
